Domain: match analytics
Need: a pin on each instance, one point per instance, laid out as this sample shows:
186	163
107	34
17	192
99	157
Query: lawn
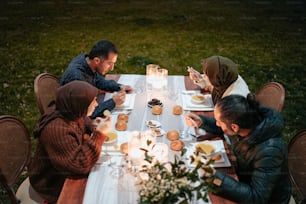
266	38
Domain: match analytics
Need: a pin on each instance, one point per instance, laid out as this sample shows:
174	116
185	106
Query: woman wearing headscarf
220	77
68	146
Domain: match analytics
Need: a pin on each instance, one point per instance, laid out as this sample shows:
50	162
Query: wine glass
185	133
117	166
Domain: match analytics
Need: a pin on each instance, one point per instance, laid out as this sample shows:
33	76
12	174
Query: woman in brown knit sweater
67	147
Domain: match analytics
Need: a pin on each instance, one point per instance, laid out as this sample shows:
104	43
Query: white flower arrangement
173	182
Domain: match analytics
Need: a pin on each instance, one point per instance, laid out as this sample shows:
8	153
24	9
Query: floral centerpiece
174	182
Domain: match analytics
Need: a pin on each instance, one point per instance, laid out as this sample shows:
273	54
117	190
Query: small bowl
198	98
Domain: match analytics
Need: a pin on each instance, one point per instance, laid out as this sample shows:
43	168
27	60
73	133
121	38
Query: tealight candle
160	152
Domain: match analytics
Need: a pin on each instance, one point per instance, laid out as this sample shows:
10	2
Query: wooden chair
15	151
297	164
45	87
271	94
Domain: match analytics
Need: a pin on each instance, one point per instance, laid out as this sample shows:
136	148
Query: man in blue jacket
91	68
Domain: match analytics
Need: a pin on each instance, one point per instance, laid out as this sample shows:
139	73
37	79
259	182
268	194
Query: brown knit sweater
63	150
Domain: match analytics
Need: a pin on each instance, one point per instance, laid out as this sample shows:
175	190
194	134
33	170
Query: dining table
108	181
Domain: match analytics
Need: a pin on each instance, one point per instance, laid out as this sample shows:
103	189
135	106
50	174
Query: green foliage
175	182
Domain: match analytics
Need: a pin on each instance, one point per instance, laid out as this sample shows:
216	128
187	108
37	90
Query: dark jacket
78	69
262	166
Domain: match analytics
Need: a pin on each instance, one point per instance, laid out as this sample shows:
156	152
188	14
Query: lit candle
135	154
160	152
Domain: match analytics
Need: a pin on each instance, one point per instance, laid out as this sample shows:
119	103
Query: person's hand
194	74
207	173
102	125
193	120
119	98
126	88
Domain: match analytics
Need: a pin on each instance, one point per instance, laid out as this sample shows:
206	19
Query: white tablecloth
103	186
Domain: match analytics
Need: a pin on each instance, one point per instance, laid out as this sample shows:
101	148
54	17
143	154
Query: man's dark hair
102	49
240	110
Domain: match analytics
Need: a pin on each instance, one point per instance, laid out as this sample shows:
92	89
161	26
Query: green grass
266	38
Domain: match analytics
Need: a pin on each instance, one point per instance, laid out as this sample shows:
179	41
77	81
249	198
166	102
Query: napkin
187	103
128	103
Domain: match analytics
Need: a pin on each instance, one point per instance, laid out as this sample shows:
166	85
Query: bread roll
124	148
177	145
121	125
173	135
177	110
123	116
157	110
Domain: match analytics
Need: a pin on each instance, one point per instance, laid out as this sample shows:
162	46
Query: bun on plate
177	110
177	145
124	148
205	148
123	116
121	125
173	135
157	110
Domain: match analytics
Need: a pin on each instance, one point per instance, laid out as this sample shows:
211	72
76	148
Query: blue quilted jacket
261	166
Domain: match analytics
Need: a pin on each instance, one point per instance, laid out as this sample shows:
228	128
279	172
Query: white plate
110	142
219	147
198	98
160	131
153	123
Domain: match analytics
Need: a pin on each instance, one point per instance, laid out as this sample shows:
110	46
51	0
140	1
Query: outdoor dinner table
105	182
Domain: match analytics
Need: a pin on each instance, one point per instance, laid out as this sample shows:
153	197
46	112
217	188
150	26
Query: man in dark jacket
259	148
91	68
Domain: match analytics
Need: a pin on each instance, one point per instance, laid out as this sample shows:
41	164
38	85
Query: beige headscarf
222	72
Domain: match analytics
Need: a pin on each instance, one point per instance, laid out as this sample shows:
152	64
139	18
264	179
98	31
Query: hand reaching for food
193	120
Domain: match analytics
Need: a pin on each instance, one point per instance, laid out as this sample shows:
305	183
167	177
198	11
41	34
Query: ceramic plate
153	124
198	98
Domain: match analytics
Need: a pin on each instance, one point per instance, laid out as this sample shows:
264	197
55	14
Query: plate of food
111	138
209	151
159	132
198	98
154	102
213	149
153	123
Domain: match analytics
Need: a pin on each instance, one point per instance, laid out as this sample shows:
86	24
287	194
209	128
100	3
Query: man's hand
194	74
207	173
193	120
126	88
119	98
